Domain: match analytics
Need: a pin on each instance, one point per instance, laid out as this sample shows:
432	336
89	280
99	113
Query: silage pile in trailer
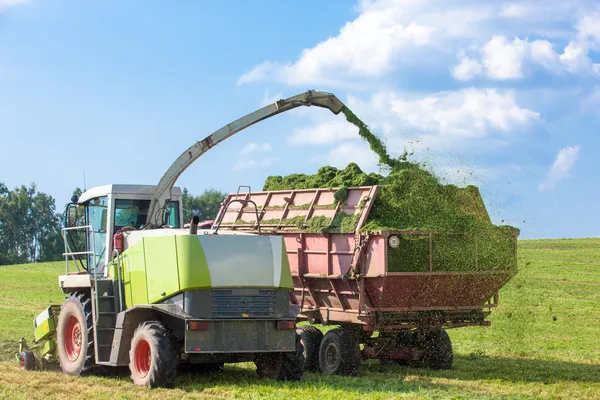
412	198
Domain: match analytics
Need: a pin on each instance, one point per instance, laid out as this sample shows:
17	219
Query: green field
544	342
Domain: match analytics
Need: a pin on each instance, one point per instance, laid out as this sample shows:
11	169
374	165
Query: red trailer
393	292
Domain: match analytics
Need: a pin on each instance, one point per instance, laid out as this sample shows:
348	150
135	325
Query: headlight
394	241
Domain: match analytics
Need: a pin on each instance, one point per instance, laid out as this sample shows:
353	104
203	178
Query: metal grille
243	303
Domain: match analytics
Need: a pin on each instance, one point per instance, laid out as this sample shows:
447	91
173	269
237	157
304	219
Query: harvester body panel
156	267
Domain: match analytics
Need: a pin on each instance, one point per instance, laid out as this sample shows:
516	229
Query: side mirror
72	215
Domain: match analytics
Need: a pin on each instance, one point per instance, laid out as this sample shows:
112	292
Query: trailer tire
153	356
26	361
311	340
402	339
339	353
75	335
436	349
288	366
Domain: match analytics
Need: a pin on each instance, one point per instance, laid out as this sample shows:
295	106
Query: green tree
29	226
206	206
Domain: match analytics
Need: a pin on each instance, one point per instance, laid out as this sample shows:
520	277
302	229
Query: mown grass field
544	342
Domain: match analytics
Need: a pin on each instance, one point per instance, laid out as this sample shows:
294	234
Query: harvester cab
144	292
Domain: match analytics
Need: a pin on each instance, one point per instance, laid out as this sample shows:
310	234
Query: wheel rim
331	356
143	357
21	362
73	338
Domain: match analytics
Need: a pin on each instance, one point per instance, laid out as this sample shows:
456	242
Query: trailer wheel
311	340
401	339
339	353
75	335
288	366
26	361
154	355
436	349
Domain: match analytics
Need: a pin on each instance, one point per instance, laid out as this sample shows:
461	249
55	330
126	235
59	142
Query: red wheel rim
73	338
143	356
21	362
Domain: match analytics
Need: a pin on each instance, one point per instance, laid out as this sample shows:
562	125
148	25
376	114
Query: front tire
154	355
75	335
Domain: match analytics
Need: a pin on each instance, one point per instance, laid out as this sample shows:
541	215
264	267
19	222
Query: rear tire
401	339
310	337
26	361
436	349
339	353
288	366
75	335
154	355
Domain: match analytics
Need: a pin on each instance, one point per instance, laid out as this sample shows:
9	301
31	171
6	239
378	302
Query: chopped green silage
412	198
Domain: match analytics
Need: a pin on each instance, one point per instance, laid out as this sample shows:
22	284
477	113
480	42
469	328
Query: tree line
30	224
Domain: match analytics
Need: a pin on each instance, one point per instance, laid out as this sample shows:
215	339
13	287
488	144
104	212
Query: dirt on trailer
410	198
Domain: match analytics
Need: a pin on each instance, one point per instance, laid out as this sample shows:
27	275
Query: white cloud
561	168
324	133
542	52
258	73
390	34
250	156
466	113
384	34
255	147
4	4
358	153
576	60
514	11
589	26
467	68
253	163
503	59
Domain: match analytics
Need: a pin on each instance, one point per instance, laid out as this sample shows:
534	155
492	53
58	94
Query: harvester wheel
339	353
75	336
436	349
311	340
154	355
287	366
26	361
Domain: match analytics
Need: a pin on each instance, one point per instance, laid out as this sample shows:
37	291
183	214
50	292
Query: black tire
339	353
436	349
75	335
288	366
310	337
401	339
153	356
27	361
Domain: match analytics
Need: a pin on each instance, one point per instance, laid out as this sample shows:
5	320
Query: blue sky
502	94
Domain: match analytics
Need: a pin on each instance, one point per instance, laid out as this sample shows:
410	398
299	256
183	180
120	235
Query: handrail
218	224
115	253
69	252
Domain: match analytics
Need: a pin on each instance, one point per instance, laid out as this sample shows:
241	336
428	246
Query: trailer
391	294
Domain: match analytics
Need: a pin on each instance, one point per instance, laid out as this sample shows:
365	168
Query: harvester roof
144	190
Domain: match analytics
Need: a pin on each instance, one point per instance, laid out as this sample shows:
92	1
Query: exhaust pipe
194	225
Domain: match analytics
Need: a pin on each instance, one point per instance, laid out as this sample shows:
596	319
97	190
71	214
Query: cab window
172	214
135	213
